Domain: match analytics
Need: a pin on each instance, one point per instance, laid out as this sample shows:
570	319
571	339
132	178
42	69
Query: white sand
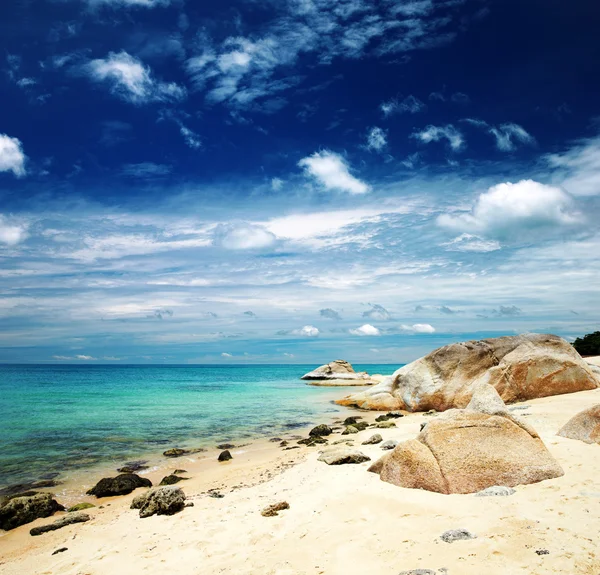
593	360
343	520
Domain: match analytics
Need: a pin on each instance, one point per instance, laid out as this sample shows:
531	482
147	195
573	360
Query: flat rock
175	452
457	535
69	519
80	507
373	440
133	467
120	485
385	424
226	446
342	456
337	373
161	501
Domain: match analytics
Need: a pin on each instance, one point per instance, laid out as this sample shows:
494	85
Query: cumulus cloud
471	243
578	168
330	314
332	172
366	329
437	133
226	355
410	105
243	236
11	233
306	331
376	139
12	158
507	135
526	208
418	328
377	312
131	81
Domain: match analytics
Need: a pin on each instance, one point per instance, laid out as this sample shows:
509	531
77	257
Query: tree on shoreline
588	344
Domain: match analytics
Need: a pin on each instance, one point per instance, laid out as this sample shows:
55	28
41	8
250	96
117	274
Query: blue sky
295	180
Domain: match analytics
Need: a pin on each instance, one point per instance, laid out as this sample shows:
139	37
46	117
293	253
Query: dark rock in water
320	431
120	485
312	441
61	550
60	523
457	535
51	475
273	510
172	480
382	418
80	507
225	456
179	471
161	501
133	467
25	508
175	452
296	425
275	439
226	446
25	487
351	420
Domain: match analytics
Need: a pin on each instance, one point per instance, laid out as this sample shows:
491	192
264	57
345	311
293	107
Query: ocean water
57	418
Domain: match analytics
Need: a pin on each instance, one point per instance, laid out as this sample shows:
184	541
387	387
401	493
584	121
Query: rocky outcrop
585	426
338	373
119	485
161	501
518	367
69	519
27	507
468	450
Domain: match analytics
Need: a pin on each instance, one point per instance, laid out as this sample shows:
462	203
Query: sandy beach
342	519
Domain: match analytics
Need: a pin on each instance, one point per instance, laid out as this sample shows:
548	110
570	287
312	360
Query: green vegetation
588	344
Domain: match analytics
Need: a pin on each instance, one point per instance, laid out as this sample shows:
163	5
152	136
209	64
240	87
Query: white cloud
437	133
243	236
377	312
131	80
376	139
145	170
410	105
224	354
290	355
12	158
332	171
307	331
366	329
191	138
506	135
471	243
276	184
11	233
578	169
418	328
525	208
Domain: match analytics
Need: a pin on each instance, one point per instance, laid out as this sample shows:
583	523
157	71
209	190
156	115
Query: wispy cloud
330	314
131	81
243	236
145	170
377	312
332	171
410	105
437	133
376	139
507	135
471	243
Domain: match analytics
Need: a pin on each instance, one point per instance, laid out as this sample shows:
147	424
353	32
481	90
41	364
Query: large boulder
468	450
585	426
337	373
161	501
119	485
519	367
21	509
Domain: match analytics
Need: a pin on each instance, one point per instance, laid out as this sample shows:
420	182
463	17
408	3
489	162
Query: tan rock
337	373
519	367
585	426
467	450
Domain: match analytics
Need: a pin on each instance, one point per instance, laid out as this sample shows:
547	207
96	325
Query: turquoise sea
57	418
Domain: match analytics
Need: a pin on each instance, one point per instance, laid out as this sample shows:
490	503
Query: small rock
283	444
430	413
342	456
350	429
272	510
496	491
60	523
345	441
179	471
382	418
385	424
80	507
61	550
189	504
395	415
312	441
320	431
120	485
361	425
226	446
275	439
389	444
293	447
423	426
225	455
171	480
215	494
161	501
175	452
542	552
351	420
457	535
373	440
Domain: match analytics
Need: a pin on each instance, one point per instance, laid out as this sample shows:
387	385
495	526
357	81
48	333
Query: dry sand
342	519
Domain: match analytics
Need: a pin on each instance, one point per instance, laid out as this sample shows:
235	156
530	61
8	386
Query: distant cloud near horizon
366	329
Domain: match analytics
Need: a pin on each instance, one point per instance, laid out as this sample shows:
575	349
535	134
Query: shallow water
58	418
